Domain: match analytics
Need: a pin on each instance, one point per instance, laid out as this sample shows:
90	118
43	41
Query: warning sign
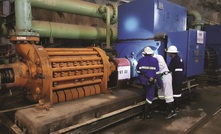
200	37
123	72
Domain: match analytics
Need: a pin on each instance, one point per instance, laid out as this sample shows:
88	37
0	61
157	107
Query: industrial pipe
23	14
58	30
4	29
108	28
76	7
197	19
70	31
1	25
23	19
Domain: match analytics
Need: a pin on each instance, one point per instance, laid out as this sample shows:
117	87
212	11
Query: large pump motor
53	75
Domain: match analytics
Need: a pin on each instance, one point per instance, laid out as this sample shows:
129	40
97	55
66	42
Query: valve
7	76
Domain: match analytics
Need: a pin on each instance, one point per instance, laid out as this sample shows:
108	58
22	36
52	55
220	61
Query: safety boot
171	114
170	111
147	112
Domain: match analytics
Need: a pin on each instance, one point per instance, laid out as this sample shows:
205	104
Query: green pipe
197	19
23	19
73	6
108	28
23	15
69	31
113	34
4	29
1	24
57	30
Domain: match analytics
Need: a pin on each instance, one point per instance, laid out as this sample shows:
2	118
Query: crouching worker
147	68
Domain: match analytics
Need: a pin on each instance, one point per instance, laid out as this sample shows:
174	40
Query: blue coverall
148	67
176	67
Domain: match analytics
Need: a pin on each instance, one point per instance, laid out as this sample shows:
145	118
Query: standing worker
166	93
177	68
147	69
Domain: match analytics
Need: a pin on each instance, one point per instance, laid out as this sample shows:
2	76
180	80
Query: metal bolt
75	63
93	62
62	74
69	73
55	84
37	62
53	65
61	64
39	70
88	62
76	72
54	75
38	90
68	64
75	81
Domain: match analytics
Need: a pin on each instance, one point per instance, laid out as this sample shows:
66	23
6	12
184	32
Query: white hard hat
147	50
172	49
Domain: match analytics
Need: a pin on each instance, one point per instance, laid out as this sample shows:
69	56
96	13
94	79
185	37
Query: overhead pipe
76	7
70	31
83	8
198	22
58	30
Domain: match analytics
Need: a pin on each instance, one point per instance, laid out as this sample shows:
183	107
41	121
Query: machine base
69	116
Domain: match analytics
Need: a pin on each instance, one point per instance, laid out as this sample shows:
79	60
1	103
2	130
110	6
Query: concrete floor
202	116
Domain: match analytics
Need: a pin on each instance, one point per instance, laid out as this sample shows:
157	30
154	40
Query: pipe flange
115	11
102	11
24	33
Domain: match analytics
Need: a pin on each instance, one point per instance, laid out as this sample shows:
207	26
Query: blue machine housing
142	19
213	40
191	47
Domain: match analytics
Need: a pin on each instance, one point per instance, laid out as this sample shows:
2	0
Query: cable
18	108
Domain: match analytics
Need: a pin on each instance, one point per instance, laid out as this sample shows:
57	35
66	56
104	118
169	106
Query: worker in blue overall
147	68
176	67
165	94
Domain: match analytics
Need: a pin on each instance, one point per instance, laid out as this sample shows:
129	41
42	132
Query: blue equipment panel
213	40
144	18
191	47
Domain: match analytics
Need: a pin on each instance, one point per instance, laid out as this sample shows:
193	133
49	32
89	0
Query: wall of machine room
209	9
